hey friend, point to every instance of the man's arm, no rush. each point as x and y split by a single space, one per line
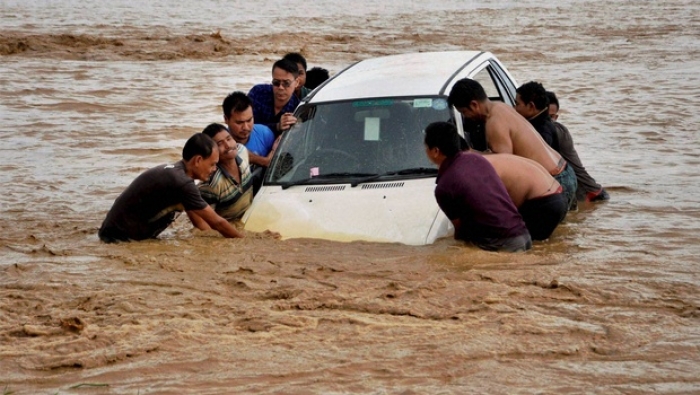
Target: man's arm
197 221
263 161
213 220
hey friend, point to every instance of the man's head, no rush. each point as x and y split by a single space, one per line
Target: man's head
200 156
238 115
468 97
228 148
315 77
285 75
299 59
441 141
553 105
530 99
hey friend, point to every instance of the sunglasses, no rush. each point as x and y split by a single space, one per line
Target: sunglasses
283 83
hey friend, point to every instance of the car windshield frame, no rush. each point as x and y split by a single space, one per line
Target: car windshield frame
357 141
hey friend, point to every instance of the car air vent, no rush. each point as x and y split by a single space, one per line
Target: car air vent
383 185
325 189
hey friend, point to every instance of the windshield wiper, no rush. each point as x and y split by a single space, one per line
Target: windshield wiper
329 176
427 171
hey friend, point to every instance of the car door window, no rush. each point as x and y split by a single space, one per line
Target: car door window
484 78
495 82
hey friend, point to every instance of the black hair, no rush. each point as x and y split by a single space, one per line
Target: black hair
533 92
444 136
297 58
198 144
288 66
236 102
315 77
553 99
213 129
464 91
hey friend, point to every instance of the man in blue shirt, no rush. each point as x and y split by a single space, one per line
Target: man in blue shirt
258 139
274 104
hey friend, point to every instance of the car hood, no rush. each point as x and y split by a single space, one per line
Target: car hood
398 211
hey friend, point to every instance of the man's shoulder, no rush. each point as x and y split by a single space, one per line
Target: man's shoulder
560 127
503 117
174 172
262 130
260 88
213 186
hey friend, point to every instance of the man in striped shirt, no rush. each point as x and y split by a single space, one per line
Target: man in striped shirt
229 189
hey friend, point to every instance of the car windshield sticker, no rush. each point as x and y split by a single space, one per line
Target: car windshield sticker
373 103
371 129
439 104
418 103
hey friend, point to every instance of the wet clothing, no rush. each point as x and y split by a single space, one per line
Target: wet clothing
150 204
543 214
510 244
586 184
567 179
544 125
469 189
263 100
226 196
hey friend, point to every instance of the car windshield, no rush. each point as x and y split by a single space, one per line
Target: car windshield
357 141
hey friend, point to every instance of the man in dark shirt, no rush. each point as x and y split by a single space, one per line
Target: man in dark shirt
157 196
531 102
588 189
472 195
274 104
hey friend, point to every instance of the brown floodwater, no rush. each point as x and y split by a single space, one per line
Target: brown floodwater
92 93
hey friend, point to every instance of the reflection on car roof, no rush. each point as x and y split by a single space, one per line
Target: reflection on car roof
418 74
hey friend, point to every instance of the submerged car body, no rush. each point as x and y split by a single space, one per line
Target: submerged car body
354 166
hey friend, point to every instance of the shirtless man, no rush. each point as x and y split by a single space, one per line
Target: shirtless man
508 132
537 195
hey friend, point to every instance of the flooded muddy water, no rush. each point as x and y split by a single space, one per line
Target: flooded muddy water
92 93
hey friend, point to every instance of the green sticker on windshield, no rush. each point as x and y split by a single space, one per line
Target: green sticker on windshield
373 103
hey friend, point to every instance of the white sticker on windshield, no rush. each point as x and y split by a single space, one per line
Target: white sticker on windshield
418 103
371 129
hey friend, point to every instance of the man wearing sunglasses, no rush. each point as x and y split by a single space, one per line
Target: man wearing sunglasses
274 104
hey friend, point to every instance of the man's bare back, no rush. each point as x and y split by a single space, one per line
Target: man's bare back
523 178
509 133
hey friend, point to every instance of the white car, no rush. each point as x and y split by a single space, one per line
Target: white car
354 166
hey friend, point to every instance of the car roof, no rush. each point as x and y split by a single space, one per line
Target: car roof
410 74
